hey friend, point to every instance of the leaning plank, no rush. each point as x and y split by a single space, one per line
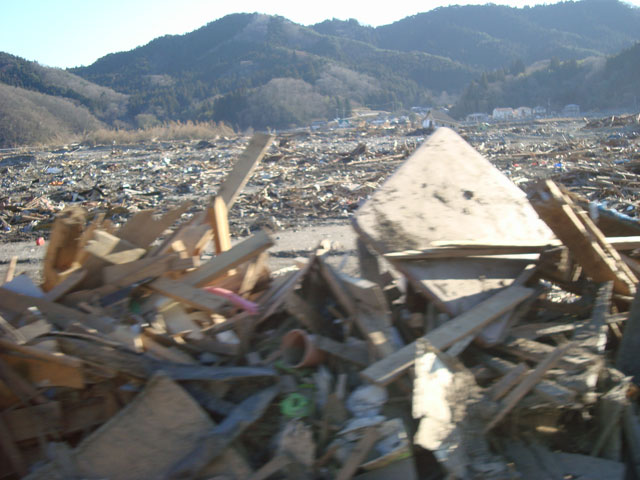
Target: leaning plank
47 371
512 399
217 215
63 246
188 295
219 438
372 316
358 454
8 276
142 229
68 284
243 168
61 316
221 264
389 368
154 431
546 389
584 240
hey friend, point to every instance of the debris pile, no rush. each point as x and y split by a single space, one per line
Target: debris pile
490 335
305 177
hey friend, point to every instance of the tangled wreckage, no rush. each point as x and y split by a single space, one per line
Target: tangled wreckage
490 334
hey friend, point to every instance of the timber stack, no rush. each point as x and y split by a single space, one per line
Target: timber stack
490 334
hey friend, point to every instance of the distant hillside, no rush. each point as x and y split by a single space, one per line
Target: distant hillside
30 117
254 70
493 36
104 102
221 70
594 83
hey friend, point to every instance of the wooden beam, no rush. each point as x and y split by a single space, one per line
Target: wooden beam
219 265
583 238
188 295
11 269
389 368
243 168
217 215
524 387
142 229
358 454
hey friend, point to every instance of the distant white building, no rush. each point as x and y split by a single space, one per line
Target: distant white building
571 110
502 113
539 111
523 112
438 118
477 117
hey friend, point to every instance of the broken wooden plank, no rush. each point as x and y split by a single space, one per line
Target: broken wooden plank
66 285
502 386
372 314
214 442
188 295
221 264
343 351
358 454
389 368
584 240
43 368
142 229
145 438
11 269
217 215
63 246
512 399
243 168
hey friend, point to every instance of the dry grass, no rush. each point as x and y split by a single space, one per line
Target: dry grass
169 131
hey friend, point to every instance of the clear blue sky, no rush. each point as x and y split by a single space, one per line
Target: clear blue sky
68 33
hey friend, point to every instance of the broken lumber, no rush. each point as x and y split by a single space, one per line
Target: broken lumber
389 368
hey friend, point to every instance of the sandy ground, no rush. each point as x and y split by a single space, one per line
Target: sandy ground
289 244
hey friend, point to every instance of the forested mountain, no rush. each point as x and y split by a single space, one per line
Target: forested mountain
231 69
255 70
493 36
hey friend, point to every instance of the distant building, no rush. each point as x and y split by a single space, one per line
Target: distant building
523 112
539 111
571 110
477 118
438 118
502 113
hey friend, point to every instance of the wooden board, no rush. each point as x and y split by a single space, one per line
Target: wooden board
147 437
389 368
142 229
219 265
446 191
585 241
188 295
243 168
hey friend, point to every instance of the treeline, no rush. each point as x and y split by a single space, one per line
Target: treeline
594 83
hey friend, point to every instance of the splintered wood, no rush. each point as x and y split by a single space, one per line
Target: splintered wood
162 348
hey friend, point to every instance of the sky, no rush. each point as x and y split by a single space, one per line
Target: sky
70 33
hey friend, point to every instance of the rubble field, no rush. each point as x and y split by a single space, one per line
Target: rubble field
483 323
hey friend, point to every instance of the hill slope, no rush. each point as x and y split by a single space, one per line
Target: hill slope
493 36
231 62
594 83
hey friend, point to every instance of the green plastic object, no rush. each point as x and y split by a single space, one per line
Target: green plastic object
296 405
